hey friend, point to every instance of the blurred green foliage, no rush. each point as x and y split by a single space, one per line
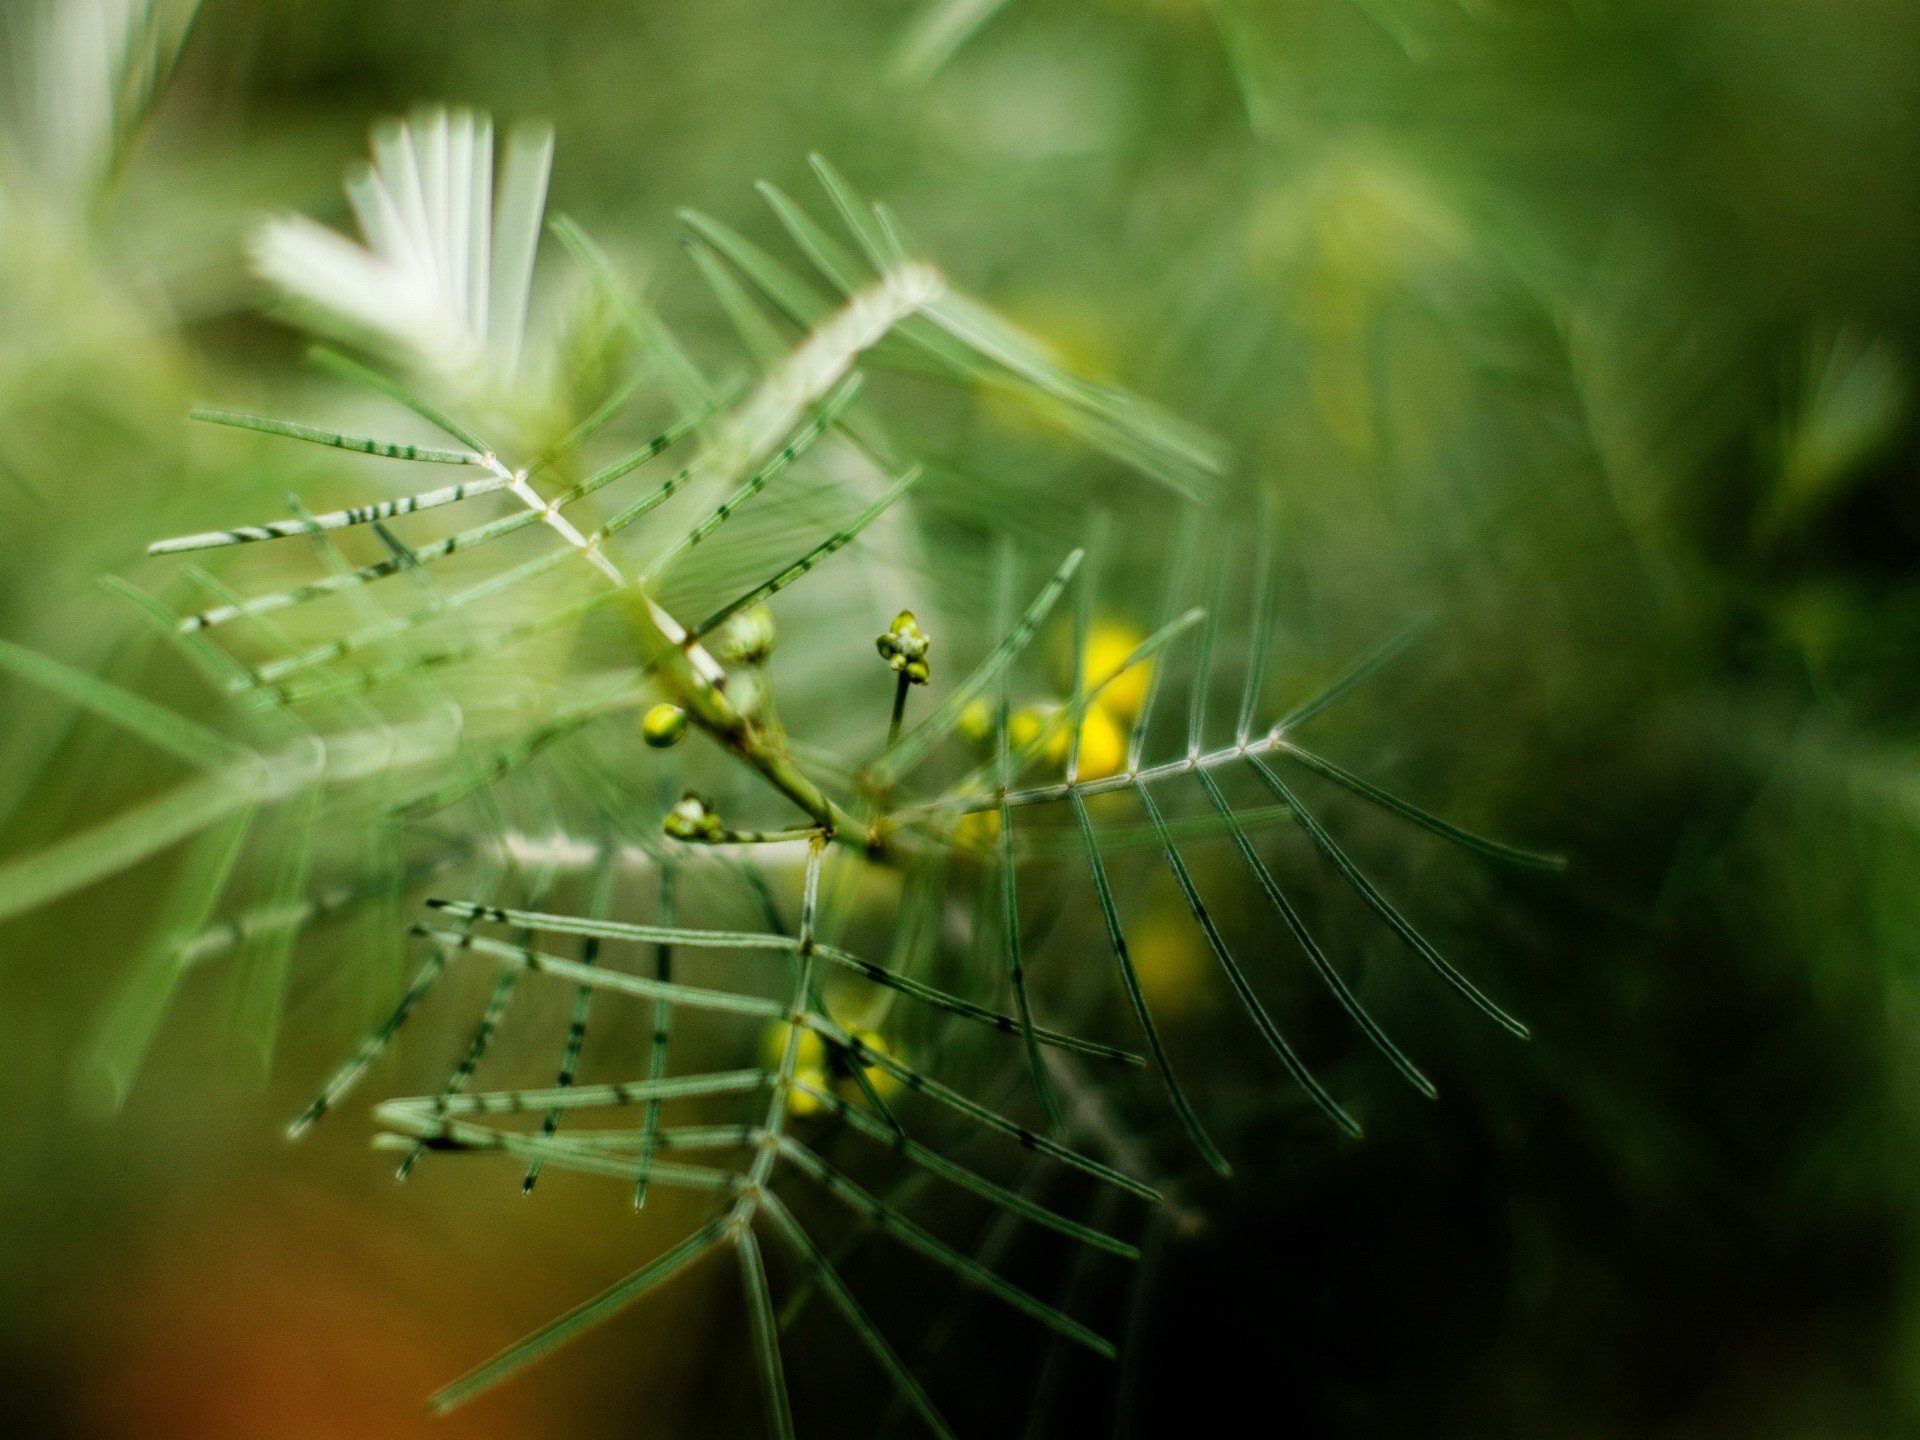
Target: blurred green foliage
1588 328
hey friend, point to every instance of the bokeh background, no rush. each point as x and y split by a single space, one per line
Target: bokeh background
1587 329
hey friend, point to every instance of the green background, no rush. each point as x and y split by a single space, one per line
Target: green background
1587 329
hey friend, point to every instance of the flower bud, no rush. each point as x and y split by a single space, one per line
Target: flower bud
904 647
693 819
663 725
748 638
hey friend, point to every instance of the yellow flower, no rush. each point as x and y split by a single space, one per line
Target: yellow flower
1026 725
810 1052
1103 733
884 1082
1103 744
1107 650
799 1102
977 830
1103 738
1170 958
814 1066
976 725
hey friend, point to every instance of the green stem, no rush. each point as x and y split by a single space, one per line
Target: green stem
899 709
696 682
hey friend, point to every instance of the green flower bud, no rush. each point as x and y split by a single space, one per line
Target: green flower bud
748 638
904 647
693 819
663 725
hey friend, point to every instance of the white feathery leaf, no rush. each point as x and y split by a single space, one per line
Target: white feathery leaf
827 354
363 293
443 272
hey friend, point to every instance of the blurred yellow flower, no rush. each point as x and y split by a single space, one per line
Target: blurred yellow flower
1026 726
1170 958
977 830
812 1067
1078 336
1103 732
1103 744
976 725
809 1053
799 1102
884 1083
809 1064
1107 649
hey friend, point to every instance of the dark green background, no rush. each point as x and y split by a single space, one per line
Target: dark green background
1586 326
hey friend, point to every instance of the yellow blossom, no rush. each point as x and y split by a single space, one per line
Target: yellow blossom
976 725
810 1051
1103 744
1026 727
1107 649
1170 958
815 1066
884 1082
799 1102
977 830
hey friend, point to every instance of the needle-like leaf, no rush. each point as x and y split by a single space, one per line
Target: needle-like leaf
1236 977
850 1309
603 1306
765 1331
1383 907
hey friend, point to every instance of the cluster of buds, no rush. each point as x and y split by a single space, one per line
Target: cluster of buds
692 819
904 647
663 725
